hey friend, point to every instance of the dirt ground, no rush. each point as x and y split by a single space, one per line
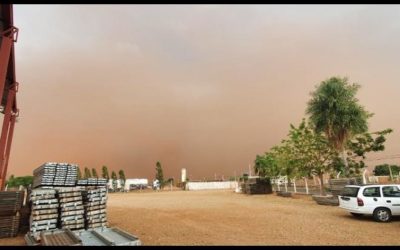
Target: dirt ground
228 218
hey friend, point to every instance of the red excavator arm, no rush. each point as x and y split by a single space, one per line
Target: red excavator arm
8 86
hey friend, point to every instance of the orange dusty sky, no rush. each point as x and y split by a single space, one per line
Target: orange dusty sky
204 87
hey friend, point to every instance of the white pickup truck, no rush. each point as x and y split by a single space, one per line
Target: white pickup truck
380 201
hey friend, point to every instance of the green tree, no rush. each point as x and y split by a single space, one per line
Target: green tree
383 170
94 173
287 164
114 178
87 173
362 144
105 174
121 174
311 150
159 174
335 110
304 153
79 173
266 165
19 181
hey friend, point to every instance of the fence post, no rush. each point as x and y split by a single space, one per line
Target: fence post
305 180
286 179
294 185
364 177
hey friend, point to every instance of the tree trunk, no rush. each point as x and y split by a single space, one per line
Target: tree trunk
346 164
321 187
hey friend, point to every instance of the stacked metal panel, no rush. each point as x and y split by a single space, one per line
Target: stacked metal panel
60 237
10 205
101 182
107 237
44 175
55 174
71 208
44 211
92 182
82 182
95 207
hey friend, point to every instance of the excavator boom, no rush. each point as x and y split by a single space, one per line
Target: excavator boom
8 86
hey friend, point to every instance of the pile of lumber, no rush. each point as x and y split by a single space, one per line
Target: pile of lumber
95 207
55 174
10 205
24 218
326 200
256 186
44 211
71 208
283 194
337 185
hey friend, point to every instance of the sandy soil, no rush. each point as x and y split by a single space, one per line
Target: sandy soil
228 218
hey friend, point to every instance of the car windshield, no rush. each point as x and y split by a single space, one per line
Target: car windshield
350 191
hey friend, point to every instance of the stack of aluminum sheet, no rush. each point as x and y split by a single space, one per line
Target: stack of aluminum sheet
71 208
60 237
44 212
108 237
101 182
44 175
92 182
72 174
95 207
82 182
55 174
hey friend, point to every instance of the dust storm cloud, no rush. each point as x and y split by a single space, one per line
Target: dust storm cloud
196 86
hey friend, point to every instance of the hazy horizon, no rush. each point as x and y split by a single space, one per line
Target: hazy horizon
201 87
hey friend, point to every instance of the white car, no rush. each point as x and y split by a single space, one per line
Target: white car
380 201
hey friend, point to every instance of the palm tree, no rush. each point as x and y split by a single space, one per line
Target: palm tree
334 110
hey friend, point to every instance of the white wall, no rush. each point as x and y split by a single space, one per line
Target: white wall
211 185
128 182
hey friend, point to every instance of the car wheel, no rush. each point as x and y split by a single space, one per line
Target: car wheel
356 215
382 214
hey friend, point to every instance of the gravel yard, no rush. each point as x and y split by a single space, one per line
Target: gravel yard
228 218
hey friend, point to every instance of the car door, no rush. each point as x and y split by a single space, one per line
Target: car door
348 197
391 198
372 198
